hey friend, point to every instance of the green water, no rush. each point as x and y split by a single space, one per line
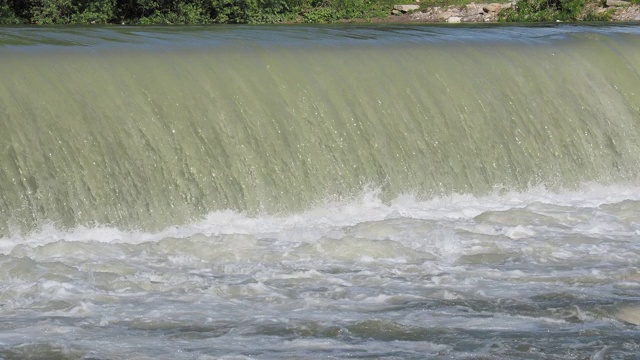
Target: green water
149 135
320 192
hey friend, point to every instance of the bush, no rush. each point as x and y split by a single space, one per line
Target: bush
253 11
94 12
173 12
320 15
47 12
7 15
234 11
550 10
327 11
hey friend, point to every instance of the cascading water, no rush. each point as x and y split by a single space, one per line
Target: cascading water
381 191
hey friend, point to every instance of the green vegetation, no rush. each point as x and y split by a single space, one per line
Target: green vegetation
145 12
45 12
7 15
321 11
553 10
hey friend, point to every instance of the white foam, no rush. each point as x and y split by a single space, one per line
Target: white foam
319 221
518 232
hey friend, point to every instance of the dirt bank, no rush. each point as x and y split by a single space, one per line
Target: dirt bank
488 12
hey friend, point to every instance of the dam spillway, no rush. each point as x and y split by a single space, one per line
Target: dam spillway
385 191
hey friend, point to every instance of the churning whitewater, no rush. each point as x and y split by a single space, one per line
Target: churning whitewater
320 192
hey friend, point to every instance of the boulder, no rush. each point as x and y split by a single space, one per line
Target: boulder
611 3
406 8
474 8
454 19
446 15
492 8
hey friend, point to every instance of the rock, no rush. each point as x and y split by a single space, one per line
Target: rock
611 3
454 19
396 12
627 13
446 15
406 8
492 8
475 8
476 13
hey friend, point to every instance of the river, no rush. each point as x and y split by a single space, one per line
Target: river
347 191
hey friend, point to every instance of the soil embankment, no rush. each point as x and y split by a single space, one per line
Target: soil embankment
488 12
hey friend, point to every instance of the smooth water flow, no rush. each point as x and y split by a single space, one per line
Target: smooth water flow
144 137
320 192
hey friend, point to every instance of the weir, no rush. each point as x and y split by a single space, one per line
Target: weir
144 131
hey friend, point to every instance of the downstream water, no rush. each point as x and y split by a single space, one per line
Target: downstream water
320 192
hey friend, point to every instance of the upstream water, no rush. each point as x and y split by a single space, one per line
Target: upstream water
320 192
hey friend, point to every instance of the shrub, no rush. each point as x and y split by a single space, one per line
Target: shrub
7 14
47 12
234 11
324 11
320 15
253 11
550 10
94 12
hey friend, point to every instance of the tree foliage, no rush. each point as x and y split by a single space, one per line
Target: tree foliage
7 14
145 12
46 12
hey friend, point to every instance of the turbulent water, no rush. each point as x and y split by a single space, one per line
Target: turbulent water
320 192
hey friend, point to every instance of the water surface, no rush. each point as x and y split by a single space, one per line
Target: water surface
389 191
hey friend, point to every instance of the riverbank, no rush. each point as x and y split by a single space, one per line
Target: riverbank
175 12
613 10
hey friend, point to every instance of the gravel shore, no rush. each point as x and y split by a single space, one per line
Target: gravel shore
488 12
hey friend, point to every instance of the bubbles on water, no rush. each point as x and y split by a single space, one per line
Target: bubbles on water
446 245
406 273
